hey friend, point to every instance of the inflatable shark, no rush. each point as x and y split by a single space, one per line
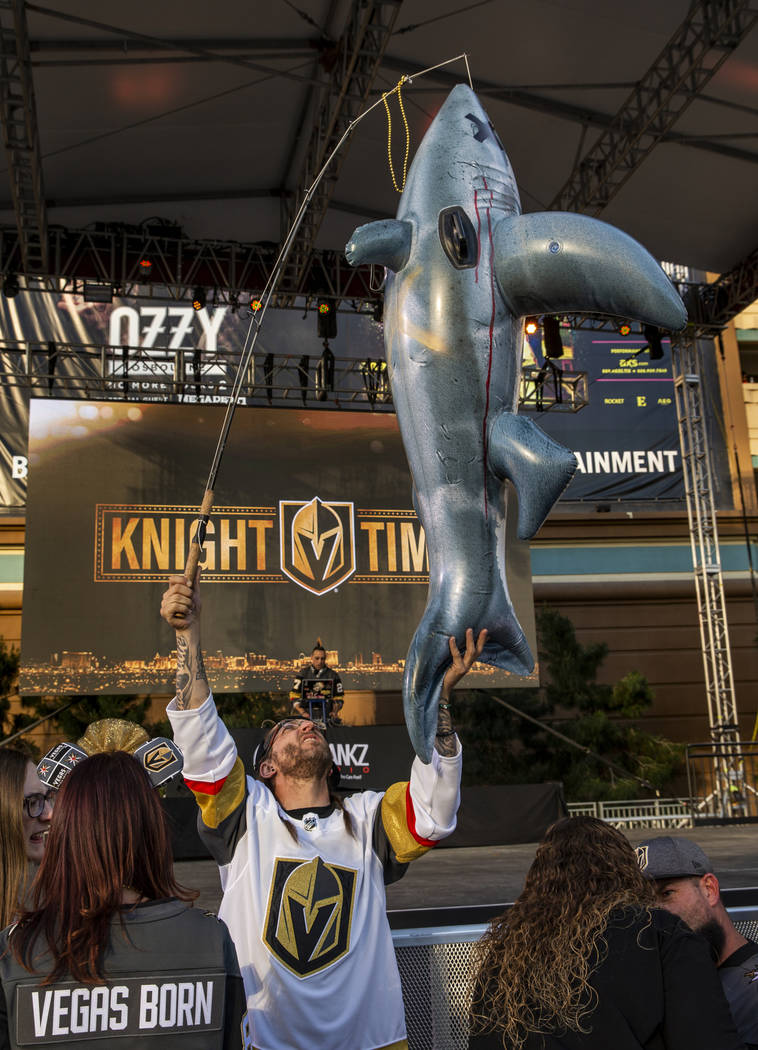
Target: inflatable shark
463 267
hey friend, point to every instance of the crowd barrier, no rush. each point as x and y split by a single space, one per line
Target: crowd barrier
434 949
658 813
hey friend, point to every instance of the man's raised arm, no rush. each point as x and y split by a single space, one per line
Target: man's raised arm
180 607
446 742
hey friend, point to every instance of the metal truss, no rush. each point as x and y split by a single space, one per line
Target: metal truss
706 560
21 138
94 372
712 306
111 255
550 387
583 114
359 56
712 30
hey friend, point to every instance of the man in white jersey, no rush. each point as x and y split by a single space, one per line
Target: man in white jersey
303 872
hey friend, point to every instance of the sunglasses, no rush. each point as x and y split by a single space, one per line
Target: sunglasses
34 805
279 728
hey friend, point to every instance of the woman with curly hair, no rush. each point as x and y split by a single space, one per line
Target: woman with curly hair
584 961
25 811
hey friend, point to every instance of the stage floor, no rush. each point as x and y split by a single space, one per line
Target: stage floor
495 874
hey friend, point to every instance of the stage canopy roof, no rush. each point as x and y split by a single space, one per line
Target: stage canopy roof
644 114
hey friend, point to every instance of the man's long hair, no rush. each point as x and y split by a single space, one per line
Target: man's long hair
13 862
535 963
108 834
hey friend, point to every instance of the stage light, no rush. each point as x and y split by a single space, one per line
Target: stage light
198 299
654 345
256 305
145 268
625 328
531 325
97 293
303 366
268 376
327 319
324 374
11 287
551 336
52 361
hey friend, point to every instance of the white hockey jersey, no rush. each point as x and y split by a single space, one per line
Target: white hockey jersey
306 910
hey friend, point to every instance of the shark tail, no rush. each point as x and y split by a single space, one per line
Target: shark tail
428 658
539 468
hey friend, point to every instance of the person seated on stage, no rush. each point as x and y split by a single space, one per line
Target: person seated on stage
110 947
304 872
584 961
317 691
686 886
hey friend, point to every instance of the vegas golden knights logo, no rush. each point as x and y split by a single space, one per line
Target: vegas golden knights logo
309 914
157 758
317 542
642 860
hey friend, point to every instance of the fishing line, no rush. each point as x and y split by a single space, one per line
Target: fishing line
256 321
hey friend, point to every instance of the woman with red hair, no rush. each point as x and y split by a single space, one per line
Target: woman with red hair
110 946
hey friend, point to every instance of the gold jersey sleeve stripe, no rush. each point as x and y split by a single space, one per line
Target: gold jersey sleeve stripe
214 808
395 823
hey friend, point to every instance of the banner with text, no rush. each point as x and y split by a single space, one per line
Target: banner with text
312 535
626 438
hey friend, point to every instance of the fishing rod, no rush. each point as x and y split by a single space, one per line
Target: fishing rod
256 321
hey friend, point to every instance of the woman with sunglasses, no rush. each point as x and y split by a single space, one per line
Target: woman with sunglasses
110 946
25 811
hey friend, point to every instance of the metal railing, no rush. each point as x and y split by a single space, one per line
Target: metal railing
435 965
639 813
722 778
130 373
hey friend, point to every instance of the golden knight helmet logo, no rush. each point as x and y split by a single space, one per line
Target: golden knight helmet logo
317 542
157 758
309 914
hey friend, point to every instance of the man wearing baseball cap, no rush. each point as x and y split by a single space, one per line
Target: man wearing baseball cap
687 887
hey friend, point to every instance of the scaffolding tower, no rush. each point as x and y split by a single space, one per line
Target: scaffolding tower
728 792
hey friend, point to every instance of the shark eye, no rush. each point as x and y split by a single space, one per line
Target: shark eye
458 238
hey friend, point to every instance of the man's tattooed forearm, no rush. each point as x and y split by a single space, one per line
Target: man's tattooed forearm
189 670
445 743
183 673
200 673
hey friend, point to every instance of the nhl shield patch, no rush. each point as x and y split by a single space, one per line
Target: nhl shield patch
317 543
309 914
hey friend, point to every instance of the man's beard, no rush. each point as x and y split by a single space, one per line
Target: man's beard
715 936
312 765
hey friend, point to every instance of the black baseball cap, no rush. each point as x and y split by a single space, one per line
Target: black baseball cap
666 857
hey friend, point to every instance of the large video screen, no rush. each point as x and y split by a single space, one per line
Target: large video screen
113 494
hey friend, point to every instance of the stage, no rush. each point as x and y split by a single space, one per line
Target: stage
488 875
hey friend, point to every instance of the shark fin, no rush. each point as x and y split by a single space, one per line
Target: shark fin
539 467
386 242
553 262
